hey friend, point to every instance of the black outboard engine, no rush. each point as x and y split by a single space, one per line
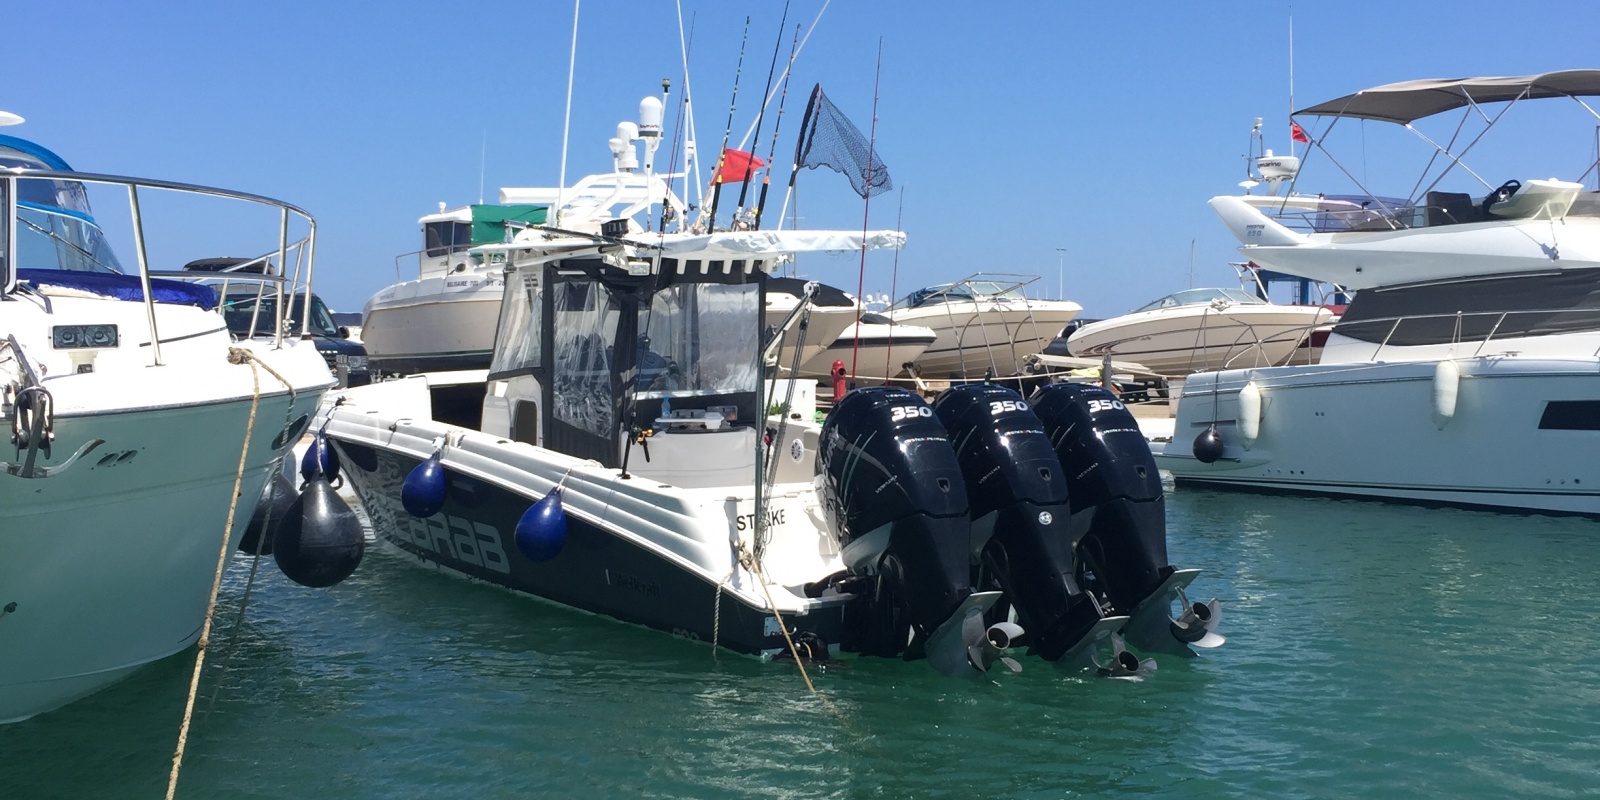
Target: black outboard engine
1021 518
1119 515
898 508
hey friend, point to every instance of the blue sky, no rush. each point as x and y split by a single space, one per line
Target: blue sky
1010 130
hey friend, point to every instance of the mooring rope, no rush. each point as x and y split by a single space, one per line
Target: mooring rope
235 356
716 613
754 566
261 544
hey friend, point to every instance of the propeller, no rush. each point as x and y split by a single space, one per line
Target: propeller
1153 628
1124 664
991 643
1197 625
965 647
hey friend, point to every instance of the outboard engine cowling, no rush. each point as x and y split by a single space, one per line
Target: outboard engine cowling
898 508
1119 512
1021 516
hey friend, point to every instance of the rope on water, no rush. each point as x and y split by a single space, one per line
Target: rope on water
261 544
235 356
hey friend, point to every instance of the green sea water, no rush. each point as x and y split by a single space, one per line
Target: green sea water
1373 651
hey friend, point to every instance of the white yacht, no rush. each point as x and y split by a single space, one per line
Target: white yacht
985 324
127 405
1464 371
1204 329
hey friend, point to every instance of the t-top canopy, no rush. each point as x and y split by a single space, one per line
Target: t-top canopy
1407 101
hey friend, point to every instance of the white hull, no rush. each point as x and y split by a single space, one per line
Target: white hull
434 323
1179 341
988 336
109 561
827 324
110 566
880 354
1371 430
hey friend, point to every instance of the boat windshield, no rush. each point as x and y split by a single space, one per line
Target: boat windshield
54 227
963 292
700 338
1195 297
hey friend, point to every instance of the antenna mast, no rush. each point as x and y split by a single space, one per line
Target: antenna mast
1291 78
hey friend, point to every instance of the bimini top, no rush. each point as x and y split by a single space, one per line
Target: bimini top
1407 101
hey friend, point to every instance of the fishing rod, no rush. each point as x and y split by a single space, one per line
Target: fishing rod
766 177
894 278
767 101
866 207
716 178
750 163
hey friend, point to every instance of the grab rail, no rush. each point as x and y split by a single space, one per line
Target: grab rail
1458 337
283 282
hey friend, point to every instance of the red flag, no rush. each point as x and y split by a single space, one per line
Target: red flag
737 165
1298 133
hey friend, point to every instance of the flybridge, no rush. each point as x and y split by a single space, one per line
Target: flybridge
1406 102
1365 240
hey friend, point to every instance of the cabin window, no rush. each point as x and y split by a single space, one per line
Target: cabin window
700 338
585 326
518 341
1571 415
444 238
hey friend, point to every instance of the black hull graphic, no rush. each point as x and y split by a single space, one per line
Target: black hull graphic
603 571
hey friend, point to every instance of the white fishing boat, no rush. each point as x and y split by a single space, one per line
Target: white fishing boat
1464 371
1204 329
443 319
633 462
985 324
128 404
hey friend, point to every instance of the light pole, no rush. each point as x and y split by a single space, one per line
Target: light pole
1061 281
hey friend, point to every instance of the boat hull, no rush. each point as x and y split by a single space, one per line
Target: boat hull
827 324
880 353
1520 435
987 337
622 566
108 564
1177 342
436 323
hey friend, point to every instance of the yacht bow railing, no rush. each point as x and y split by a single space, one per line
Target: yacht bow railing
275 275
